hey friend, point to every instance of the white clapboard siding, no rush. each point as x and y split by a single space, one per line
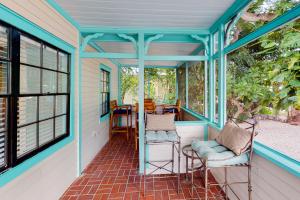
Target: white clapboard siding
42 14
43 181
269 181
94 132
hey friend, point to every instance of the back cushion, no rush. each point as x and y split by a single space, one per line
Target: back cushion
160 122
234 138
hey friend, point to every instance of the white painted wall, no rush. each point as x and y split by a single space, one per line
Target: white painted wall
94 133
48 179
270 182
164 152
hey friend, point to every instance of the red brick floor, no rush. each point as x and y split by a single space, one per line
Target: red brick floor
113 174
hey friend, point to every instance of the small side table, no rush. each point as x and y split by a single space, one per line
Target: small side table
190 156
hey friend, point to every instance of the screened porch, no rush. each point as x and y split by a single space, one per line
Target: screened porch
82 80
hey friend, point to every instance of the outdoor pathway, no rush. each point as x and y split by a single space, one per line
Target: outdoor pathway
113 175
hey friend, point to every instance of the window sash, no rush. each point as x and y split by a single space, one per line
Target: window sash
23 120
105 92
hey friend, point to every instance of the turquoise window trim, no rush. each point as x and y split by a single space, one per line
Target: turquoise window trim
119 85
279 159
194 114
20 22
106 68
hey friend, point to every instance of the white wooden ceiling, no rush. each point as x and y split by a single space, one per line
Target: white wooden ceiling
146 13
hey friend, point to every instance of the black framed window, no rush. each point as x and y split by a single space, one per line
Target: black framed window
105 91
34 95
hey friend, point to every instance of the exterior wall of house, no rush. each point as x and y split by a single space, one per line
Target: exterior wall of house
94 133
49 178
269 181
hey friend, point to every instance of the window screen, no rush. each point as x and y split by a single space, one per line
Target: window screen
181 78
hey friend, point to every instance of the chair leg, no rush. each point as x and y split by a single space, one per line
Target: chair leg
145 163
225 183
178 172
206 180
249 183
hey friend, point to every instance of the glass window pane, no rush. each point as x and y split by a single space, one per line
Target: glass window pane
258 14
30 52
197 87
4 42
3 118
62 62
2 149
46 107
4 72
27 110
26 139
181 78
3 114
49 81
60 125
29 80
216 42
216 91
61 104
49 58
62 83
45 131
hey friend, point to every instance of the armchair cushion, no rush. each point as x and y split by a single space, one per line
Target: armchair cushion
234 138
217 155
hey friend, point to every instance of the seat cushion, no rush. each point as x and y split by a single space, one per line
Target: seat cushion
234 138
161 136
171 110
122 111
217 155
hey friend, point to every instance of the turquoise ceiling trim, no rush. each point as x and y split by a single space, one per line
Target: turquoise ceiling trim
62 12
151 39
149 66
235 8
129 38
176 58
108 55
134 30
88 38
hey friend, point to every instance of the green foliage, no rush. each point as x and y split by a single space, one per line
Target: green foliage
266 73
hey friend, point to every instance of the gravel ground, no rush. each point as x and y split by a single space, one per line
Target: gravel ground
280 136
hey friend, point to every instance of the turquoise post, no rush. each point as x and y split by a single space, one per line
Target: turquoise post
141 62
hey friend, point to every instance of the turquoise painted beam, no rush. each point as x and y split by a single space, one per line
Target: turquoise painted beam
150 66
132 30
235 8
211 80
276 23
168 38
222 78
176 58
141 62
108 55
